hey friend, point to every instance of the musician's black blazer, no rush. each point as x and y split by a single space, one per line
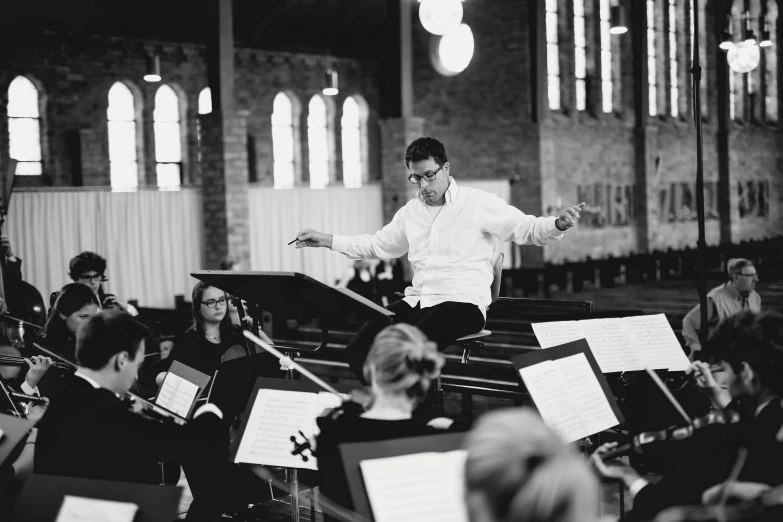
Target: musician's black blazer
91 433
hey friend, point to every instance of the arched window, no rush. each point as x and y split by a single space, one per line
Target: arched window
606 56
318 142
123 167
552 55
353 126
652 70
580 55
205 101
771 64
674 92
732 95
24 127
168 139
283 141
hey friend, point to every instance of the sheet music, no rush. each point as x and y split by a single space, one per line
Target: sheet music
557 333
422 487
657 342
177 394
612 345
275 417
80 509
586 393
568 397
550 395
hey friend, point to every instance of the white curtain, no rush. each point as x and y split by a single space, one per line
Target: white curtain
277 215
152 240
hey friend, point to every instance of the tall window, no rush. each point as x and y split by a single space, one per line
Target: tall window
552 55
652 71
205 101
771 61
283 141
123 168
24 127
580 67
674 93
318 143
606 56
732 95
351 124
168 139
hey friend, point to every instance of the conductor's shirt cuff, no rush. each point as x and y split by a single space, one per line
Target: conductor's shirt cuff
339 243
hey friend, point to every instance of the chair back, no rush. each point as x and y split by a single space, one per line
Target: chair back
497 271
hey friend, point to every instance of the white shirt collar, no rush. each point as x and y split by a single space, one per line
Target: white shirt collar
451 192
90 380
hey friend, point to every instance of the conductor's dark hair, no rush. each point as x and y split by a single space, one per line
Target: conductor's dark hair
106 334
424 148
86 262
755 339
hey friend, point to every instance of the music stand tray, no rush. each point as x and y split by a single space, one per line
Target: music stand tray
42 496
296 296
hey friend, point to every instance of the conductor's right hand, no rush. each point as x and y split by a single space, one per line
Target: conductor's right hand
312 238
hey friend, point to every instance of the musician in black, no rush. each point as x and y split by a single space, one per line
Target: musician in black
749 348
401 365
91 431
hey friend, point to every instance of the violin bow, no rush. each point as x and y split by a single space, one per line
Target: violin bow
296 366
668 394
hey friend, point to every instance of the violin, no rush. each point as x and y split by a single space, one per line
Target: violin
12 362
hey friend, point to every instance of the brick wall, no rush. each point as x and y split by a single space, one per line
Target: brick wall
76 72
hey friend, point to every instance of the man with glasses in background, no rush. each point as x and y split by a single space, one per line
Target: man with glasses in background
735 296
448 233
88 268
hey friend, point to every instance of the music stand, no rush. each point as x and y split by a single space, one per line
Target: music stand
352 454
42 496
296 296
233 384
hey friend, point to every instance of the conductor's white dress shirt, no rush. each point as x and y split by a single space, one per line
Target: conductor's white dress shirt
452 254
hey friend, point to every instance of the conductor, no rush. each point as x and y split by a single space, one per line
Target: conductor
447 232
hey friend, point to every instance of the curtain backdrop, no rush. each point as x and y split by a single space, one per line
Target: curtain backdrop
276 216
152 240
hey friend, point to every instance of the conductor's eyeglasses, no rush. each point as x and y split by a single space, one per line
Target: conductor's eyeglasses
212 303
428 176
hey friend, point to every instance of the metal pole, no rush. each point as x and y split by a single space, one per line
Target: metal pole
701 245
294 494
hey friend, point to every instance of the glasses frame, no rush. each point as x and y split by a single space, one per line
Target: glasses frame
415 179
222 300
97 278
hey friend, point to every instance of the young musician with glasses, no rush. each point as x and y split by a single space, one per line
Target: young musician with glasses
735 296
203 345
448 233
88 268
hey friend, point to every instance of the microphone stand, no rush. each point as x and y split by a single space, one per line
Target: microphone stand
701 285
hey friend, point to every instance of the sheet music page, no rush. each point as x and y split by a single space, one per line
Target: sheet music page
586 393
612 345
422 487
657 343
80 509
275 417
177 394
550 395
557 333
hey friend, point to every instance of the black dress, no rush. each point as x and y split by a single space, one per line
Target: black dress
347 425
200 354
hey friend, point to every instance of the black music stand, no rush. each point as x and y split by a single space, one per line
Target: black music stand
296 296
352 454
43 495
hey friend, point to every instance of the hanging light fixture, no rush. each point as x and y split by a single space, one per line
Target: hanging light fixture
744 57
152 69
617 24
330 82
440 16
766 41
